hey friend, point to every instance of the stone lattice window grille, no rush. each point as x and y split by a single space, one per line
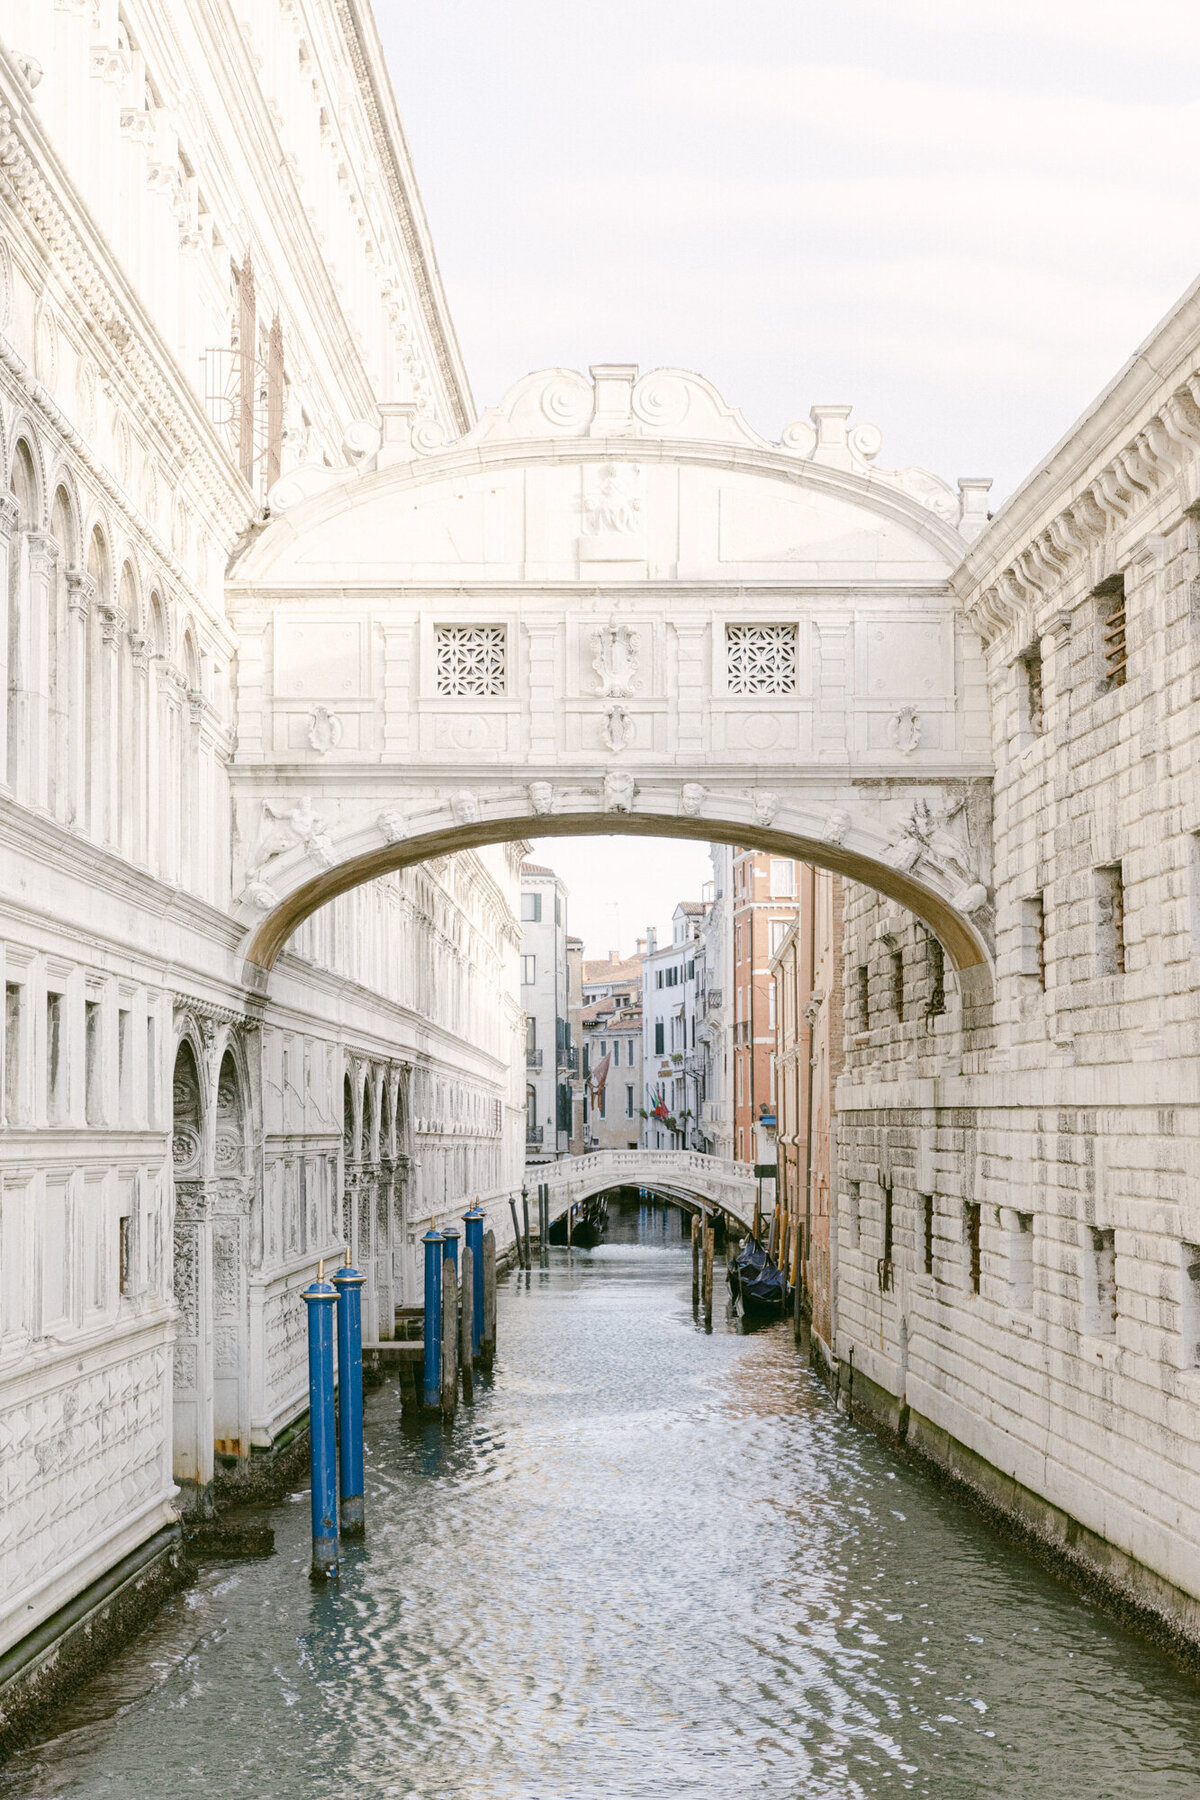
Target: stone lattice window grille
471 659
760 659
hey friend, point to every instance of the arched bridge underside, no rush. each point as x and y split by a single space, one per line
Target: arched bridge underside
686 1176
611 607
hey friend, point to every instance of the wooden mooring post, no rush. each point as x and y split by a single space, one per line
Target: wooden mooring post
695 1261
525 1218
466 1335
487 1337
449 1338
710 1244
512 1207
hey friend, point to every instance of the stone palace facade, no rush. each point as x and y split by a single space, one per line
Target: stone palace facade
212 263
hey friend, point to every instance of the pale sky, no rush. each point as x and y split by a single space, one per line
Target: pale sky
959 218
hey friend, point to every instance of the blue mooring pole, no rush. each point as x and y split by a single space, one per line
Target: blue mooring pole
473 1221
321 1299
432 1379
349 1285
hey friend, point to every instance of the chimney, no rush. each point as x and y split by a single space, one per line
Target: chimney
641 946
651 939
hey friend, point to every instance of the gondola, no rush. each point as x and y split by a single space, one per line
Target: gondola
758 1284
588 1226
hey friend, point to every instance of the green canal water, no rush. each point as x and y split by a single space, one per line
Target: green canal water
648 1563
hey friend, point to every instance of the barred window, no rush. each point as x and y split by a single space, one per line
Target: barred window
761 659
470 659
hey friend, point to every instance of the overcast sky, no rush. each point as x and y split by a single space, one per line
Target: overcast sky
959 218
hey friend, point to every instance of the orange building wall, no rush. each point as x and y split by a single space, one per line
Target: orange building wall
755 911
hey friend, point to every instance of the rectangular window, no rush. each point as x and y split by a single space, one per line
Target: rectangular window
530 1036
470 659
125 1252
1031 671
740 1096
888 1223
864 997
604 1046
531 908
628 1100
927 1231
151 1070
658 978
898 984
600 1103
854 1196
771 1007
528 970
1020 1260
1033 938
93 1063
659 1037
12 1051
55 1058
1100 1290
971 1223
783 878
124 1060
1110 920
1189 1312
760 659
558 909
1110 613
779 930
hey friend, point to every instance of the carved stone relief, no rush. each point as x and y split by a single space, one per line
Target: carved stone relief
615 651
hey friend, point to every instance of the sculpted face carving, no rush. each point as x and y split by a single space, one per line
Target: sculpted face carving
541 797
691 799
618 792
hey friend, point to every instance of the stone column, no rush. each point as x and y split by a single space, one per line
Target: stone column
9 518
231 1316
32 720
193 1395
81 596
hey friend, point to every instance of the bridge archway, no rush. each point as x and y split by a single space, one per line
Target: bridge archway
612 606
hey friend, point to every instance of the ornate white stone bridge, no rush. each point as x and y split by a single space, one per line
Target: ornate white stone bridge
612 607
683 1175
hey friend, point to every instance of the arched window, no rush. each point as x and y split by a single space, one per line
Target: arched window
25 493
368 1123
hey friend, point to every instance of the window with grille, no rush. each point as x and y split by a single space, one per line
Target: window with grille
972 1223
864 996
898 984
760 659
1110 920
1035 711
935 1005
1110 599
470 659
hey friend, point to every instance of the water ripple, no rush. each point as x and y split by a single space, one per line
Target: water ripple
649 1563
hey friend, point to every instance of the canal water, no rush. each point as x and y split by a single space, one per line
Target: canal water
650 1562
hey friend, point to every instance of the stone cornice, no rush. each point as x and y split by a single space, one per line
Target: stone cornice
1085 493
33 179
379 105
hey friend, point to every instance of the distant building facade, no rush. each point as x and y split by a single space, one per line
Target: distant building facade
672 1057
612 1052
762 905
806 970
545 996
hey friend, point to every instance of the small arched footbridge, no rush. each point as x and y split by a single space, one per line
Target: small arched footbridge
686 1176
